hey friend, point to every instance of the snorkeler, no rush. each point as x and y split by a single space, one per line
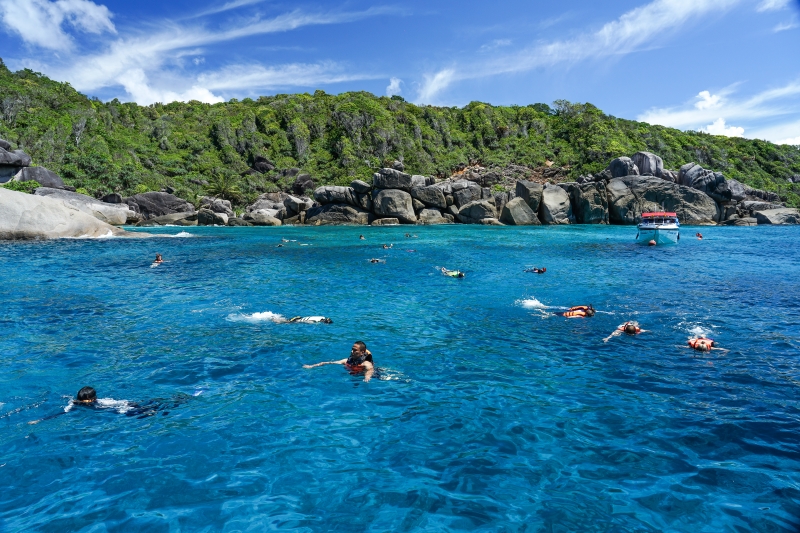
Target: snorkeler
360 360
699 236
453 273
158 260
579 311
361 237
629 328
373 260
87 397
704 344
535 270
310 320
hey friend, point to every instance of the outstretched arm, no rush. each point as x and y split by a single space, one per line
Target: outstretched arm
616 332
339 362
370 371
34 422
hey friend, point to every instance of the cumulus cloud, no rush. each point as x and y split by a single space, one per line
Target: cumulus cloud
631 32
718 127
794 141
41 22
707 100
394 87
773 5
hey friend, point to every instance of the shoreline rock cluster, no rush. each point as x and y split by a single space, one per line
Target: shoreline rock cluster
619 194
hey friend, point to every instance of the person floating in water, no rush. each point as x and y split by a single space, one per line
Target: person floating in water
629 328
704 344
408 235
373 260
579 311
387 246
453 273
535 270
158 260
360 360
699 236
310 320
87 397
361 237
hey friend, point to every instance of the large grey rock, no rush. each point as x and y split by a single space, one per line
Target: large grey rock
623 166
784 215
16 158
629 197
26 216
468 194
747 221
238 222
298 205
394 203
398 165
738 190
389 178
42 176
431 217
555 207
418 181
445 186
649 164
430 196
751 206
516 212
302 184
418 206
263 217
385 222
5 145
530 192
270 200
173 219
669 175
336 214
474 212
361 187
207 217
217 205
589 202
156 204
711 183
114 214
112 198
335 194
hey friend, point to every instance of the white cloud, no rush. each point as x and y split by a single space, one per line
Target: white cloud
631 32
783 26
199 60
795 141
394 87
772 5
228 6
779 104
143 63
718 127
40 22
497 43
707 100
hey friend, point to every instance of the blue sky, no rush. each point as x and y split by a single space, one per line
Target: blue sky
724 66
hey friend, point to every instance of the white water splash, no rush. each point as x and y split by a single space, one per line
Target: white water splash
181 235
532 303
700 331
255 318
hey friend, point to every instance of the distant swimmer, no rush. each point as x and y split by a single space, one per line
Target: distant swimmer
579 311
387 246
699 236
536 270
629 328
703 344
408 235
361 237
360 360
310 320
158 260
284 240
453 273
373 260
279 246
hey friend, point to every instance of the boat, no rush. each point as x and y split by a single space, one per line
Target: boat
659 228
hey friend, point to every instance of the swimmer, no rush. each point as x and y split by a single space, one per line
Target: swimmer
158 260
279 246
310 320
373 260
453 273
87 397
361 237
699 236
703 344
284 240
536 270
408 235
629 328
579 311
360 360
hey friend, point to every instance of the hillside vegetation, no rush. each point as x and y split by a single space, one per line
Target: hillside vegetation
199 148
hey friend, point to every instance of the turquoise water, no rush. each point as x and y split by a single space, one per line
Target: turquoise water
490 414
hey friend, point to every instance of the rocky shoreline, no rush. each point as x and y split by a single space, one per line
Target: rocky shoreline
619 194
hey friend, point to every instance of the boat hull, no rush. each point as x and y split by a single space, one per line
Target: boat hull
660 235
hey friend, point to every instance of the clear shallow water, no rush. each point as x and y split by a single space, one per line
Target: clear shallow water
491 415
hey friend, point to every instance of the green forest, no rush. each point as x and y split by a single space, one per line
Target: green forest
196 148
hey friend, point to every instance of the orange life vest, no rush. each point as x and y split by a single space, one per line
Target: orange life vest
575 312
622 328
701 344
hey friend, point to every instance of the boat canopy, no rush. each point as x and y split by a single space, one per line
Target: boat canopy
659 214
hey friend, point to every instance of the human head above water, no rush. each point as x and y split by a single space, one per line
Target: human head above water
630 328
87 395
359 347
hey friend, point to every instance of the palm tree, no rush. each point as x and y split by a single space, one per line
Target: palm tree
224 185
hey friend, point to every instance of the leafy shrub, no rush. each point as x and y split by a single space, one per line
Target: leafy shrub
22 186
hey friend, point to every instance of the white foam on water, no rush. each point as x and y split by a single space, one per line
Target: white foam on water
255 318
181 235
108 235
532 303
120 406
700 331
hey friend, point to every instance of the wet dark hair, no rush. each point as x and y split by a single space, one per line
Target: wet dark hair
360 344
630 329
327 321
87 394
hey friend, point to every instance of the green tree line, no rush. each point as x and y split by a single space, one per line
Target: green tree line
197 148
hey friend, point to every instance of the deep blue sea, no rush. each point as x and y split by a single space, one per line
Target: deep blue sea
489 412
